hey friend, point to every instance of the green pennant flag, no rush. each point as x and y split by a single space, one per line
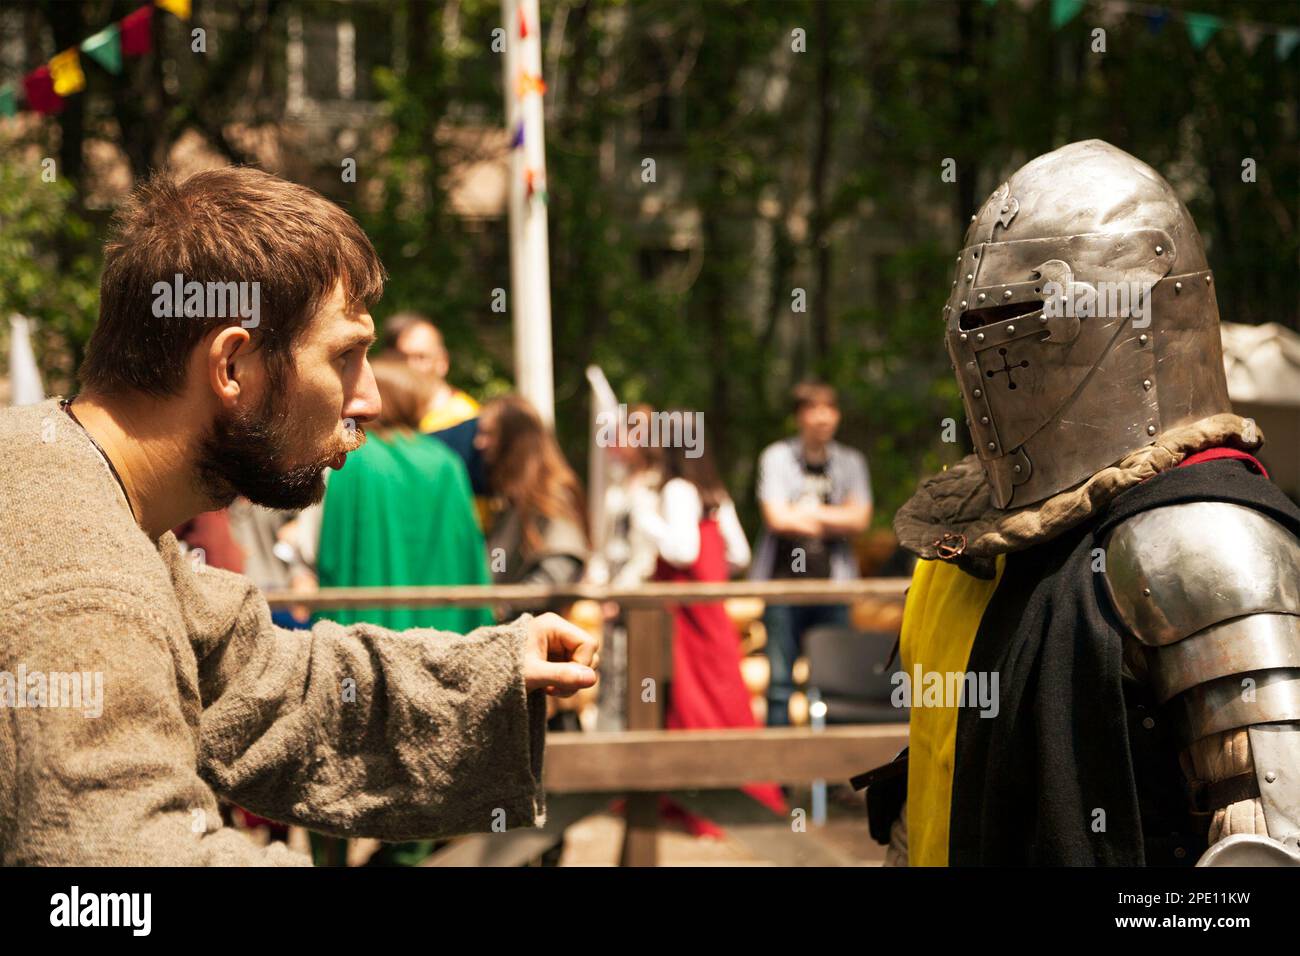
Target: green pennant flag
991 3
105 48
1202 26
8 101
1063 11
1287 40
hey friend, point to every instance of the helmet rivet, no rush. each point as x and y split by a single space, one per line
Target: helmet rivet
1011 330
959 259
1270 777
1146 592
1151 429
972 218
981 297
1207 280
993 446
1006 294
1178 287
1142 339
1043 318
1146 383
969 277
1016 469
978 392
954 283
984 419
1160 250
963 336
1005 208
963 303
979 336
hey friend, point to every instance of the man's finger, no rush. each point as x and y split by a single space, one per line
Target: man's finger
566 678
579 645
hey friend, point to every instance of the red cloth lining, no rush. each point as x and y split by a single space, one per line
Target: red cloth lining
1212 454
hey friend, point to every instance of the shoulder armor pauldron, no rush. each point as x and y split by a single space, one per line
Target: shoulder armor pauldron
1176 570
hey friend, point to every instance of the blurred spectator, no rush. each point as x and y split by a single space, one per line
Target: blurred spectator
627 558
271 559
815 495
399 514
449 413
699 538
539 535
207 536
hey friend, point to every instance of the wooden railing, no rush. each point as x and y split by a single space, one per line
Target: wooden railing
702 769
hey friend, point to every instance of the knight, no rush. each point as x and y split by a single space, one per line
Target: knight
1112 551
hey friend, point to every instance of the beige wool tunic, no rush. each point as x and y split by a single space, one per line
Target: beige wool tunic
355 731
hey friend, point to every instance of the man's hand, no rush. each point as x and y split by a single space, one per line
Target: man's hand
559 657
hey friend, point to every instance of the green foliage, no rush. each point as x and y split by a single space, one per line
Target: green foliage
46 272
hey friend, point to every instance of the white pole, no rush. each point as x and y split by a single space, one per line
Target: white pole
530 281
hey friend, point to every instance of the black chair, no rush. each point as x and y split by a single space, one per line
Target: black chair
847 672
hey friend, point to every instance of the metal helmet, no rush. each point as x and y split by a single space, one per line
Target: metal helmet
1082 321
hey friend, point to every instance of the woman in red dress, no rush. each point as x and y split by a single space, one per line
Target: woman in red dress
700 539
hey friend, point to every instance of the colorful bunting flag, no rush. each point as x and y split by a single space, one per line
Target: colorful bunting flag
137 32
1287 40
1200 27
8 101
105 48
66 73
517 138
1250 35
528 83
1063 11
38 88
523 25
177 8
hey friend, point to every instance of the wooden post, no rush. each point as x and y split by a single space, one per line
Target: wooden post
647 629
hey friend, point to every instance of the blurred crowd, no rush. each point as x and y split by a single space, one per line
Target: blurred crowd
446 491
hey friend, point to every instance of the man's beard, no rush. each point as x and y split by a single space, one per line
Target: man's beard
243 454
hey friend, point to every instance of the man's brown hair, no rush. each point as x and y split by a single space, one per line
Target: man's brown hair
235 224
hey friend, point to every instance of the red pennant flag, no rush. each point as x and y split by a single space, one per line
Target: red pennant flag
137 31
523 25
38 86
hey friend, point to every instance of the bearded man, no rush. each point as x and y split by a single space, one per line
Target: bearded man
353 731
1113 554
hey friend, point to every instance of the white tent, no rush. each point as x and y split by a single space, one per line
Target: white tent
24 375
1262 363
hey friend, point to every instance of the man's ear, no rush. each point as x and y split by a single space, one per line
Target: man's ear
228 364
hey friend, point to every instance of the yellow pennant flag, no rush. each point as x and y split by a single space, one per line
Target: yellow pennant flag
65 71
177 8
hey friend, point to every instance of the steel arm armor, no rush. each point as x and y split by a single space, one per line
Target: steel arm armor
1210 594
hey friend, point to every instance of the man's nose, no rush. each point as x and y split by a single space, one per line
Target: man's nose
364 404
